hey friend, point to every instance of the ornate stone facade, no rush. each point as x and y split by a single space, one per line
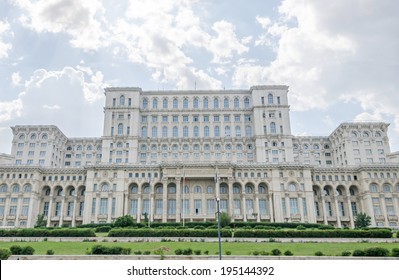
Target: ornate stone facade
168 155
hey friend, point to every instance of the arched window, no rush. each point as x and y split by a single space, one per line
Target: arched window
196 131
366 134
386 188
197 189
105 187
291 187
273 128
79 148
353 134
164 147
159 190
210 189
3 188
315 147
206 103
186 189
165 103
249 189
196 147
206 131
185 103
248 132
339 192
44 136
223 189
155 103
89 148
27 188
397 188
59 192
143 147
146 189
378 134
175 103
134 189
246 102
33 136
175 132
217 131
47 192
352 191
236 189
262 189
154 132
21 137
236 103
122 100
326 191
270 98
373 188
195 103
120 129
165 132
15 189
238 131
227 131
217 147
145 103
185 147
226 103
144 132
171 189
185 131
72 192
216 103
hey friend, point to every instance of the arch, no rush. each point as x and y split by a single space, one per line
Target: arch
133 188
145 103
120 129
210 189
171 188
353 134
71 191
249 188
205 103
197 189
155 103
175 103
15 188
195 103
33 136
316 191
377 134
327 191
146 188
185 103
226 103
27 188
159 188
122 100
186 189
223 188
341 190
104 187
165 103
374 188
3 188
58 191
353 190
236 188
81 190
246 102
386 188
215 103
292 187
236 103
44 136
21 136
270 98
262 188
46 191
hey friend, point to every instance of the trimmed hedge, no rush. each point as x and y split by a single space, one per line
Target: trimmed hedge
250 233
38 232
103 250
149 232
279 225
4 254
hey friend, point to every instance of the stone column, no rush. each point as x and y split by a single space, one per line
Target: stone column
139 211
300 208
50 210
98 200
32 213
109 210
352 221
244 207
62 210
179 196
287 207
324 210
75 201
6 208
256 206
368 208
165 201
337 211
231 198
126 203
395 204
384 209
271 209
18 211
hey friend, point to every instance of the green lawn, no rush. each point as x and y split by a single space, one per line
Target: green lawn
236 248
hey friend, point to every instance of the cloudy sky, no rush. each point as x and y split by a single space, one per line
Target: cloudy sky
340 58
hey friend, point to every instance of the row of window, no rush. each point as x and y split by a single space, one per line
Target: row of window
195 103
365 134
195 118
15 188
33 136
31 145
196 147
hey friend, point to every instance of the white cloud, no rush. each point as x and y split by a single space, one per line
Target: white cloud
5 30
10 109
54 107
82 20
15 78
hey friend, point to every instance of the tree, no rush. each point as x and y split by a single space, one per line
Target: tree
41 221
362 220
124 221
225 219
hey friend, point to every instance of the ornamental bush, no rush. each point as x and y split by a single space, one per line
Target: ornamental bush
276 252
45 232
4 254
376 252
103 250
358 253
395 252
18 250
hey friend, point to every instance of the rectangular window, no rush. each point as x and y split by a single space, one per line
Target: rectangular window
103 206
133 207
13 211
216 118
198 206
294 206
70 209
316 206
45 208
341 209
237 206
223 206
93 206
25 210
57 209
113 206
262 207
158 206
206 118
172 206
210 206
304 207
249 206
81 208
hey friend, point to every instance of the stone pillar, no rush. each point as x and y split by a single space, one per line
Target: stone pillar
231 198
139 211
75 201
351 219
50 211
256 207
368 208
165 201
384 210
271 209
32 213
324 210
6 209
287 207
395 204
337 211
300 207
62 210
98 200
244 207
126 203
109 210
179 196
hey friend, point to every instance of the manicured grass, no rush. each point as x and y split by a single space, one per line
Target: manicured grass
236 248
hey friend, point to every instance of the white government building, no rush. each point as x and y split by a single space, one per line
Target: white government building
169 155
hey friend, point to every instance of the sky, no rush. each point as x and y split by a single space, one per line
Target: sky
339 58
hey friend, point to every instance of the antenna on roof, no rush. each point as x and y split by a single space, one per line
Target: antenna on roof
195 85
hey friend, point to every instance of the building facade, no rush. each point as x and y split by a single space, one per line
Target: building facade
169 155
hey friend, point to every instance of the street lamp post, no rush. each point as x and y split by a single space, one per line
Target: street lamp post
219 241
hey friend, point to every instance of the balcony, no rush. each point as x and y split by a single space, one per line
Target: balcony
379 218
392 218
331 218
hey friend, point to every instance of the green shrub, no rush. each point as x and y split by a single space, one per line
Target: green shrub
28 250
255 253
4 254
137 252
376 252
395 252
358 253
228 253
199 227
147 252
197 252
15 250
178 252
346 253
319 253
264 253
206 252
103 250
300 227
103 229
276 252
288 253
47 232
188 251
124 221
49 252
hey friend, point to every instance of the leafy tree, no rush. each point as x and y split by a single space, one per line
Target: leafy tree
362 220
41 221
225 219
124 221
